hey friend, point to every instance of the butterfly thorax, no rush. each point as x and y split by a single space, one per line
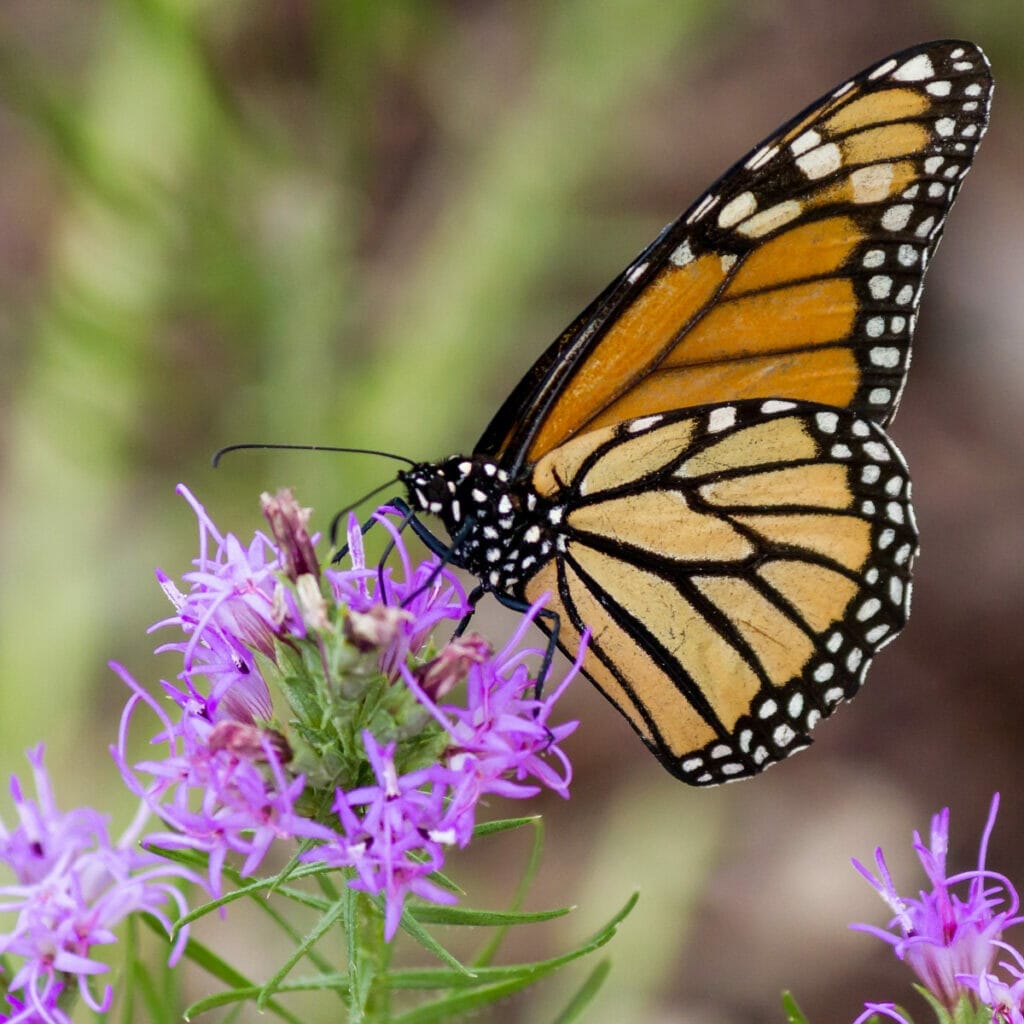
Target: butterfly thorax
500 527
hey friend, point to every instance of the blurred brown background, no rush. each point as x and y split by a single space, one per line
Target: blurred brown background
358 223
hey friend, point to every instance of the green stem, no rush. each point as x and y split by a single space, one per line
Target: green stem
369 956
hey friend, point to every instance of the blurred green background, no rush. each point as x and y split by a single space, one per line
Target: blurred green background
358 223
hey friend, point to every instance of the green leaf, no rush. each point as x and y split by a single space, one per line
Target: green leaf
434 977
204 957
794 1015
490 949
489 828
433 913
584 994
326 922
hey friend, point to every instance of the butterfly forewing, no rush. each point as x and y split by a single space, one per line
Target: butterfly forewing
797 275
737 566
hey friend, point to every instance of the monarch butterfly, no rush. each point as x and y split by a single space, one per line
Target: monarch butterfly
696 470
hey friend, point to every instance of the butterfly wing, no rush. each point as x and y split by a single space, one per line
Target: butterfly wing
738 566
797 275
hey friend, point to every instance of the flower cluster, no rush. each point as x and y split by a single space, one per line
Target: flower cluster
951 935
72 887
364 762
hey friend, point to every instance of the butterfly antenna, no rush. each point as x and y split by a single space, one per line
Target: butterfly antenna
339 516
220 453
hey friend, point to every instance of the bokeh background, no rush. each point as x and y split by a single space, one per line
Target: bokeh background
358 223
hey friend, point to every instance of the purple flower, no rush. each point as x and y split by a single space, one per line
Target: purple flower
217 792
227 783
954 929
872 1010
1005 999
425 595
72 887
397 840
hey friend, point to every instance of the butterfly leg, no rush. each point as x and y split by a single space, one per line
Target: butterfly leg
553 621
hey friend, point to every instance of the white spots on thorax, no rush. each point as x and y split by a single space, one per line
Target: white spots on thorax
917 69
737 209
871 184
897 217
820 161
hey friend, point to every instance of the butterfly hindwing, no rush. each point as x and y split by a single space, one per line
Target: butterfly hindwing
797 274
738 566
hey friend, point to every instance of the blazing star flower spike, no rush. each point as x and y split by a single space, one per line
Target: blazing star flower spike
951 934
364 762
73 886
